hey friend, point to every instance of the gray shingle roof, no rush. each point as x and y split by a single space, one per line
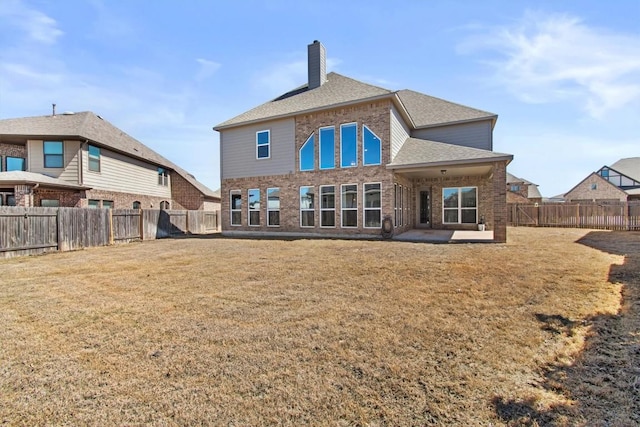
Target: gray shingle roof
19 177
424 110
629 167
421 152
87 125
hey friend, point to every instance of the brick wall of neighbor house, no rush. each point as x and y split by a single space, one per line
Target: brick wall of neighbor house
513 197
23 195
185 195
12 150
68 199
523 190
604 191
376 116
124 200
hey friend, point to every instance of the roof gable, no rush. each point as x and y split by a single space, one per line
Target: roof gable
629 167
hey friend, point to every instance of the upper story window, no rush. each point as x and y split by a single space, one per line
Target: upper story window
94 158
15 164
349 145
515 188
53 154
372 147
327 148
263 144
163 177
307 154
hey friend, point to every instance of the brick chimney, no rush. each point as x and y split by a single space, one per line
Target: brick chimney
317 64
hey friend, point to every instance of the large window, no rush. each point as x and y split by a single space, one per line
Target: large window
460 205
53 154
163 177
107 204
327 206
263 143
307 154
372 207
15 164
327 148
94 158
254 207
273 207
349 145
50 203
92 203
236 207
307 207
371 147
349 206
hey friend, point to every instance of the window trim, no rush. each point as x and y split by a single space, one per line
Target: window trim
365 208
364 158
273 210
232 210
343 209
306 209
93 157
46 156
253 209
323 209
460 208
313 153
267 144
163 177
355 148
333 157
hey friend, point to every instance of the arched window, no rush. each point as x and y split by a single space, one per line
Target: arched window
164 204
136 205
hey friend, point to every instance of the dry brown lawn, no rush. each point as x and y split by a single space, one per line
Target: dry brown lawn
543 330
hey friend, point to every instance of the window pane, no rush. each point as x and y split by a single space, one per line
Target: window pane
236 218
94 165
328 218
263 151
11 200
236 201
263 137
53 161
136 205
49 203
273 198
94 203
348 145
372 146
53 147
15 164
107 204
307 155
306 198
327 148
94 151
450 215
307 218
469 216
468 197
350 218
450 197
372 195
328 197
372 218
254 217
349 196
274 217
254 199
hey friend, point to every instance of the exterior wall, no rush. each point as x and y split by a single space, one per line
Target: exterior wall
120 173
185 195
70 199
125 200
376 117
410 203
474 134
238 150
399 132
70 171
211 206
513 197
605 191
11 150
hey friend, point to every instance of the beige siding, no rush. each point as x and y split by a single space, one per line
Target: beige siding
474 134
125 174
68 173
399 132
238 150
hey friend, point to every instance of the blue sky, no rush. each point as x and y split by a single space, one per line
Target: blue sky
563 76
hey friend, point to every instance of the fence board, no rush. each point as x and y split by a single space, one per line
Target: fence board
202 222
126 224
27 231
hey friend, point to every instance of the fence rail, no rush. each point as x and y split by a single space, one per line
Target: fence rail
30 231
608 216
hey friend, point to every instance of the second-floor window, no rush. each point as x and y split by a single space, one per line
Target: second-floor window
15 164
163 177
263 144
53 154
307 154
349 145
327 148
94 158
371 147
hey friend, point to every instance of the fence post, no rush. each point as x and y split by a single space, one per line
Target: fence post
141 227
59 230
111 240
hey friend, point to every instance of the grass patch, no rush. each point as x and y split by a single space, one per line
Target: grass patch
328 332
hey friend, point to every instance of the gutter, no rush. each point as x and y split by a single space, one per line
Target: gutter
460 162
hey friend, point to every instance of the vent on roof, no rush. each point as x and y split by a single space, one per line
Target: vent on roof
68 113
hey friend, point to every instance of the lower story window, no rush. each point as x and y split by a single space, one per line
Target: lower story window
273 207
136 205
349 211
50 203
107 204
307 207
236 207
254 207
372 207
460 205
93 203
164 205
327 206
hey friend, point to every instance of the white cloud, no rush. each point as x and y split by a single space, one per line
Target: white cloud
38 26
207 69
551 58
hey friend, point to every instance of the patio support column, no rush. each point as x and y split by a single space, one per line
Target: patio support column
499 180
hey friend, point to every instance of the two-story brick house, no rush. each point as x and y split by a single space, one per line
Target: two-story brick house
519 190
81 160
619 182
339 157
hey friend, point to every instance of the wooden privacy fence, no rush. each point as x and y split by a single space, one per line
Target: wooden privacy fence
29 231
608 216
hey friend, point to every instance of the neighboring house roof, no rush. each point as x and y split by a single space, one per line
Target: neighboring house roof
420 152
32 178
87 125
600 179
422 110
532 189
629 167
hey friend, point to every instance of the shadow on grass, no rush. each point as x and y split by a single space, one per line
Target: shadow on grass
604 379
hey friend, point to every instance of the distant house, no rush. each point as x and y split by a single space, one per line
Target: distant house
81 160
618 182
522 191
339 157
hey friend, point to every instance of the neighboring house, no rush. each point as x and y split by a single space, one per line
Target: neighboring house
522 191
81 160
338 157
619 182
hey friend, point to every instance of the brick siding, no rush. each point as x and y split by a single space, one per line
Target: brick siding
604 191
185 195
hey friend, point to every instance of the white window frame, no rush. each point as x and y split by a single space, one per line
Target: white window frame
365 208
343 209
333 129
355 125
269 209
250 209
323 209
232 210
401 207
460 208
395 204
306 209
268 144
364 163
